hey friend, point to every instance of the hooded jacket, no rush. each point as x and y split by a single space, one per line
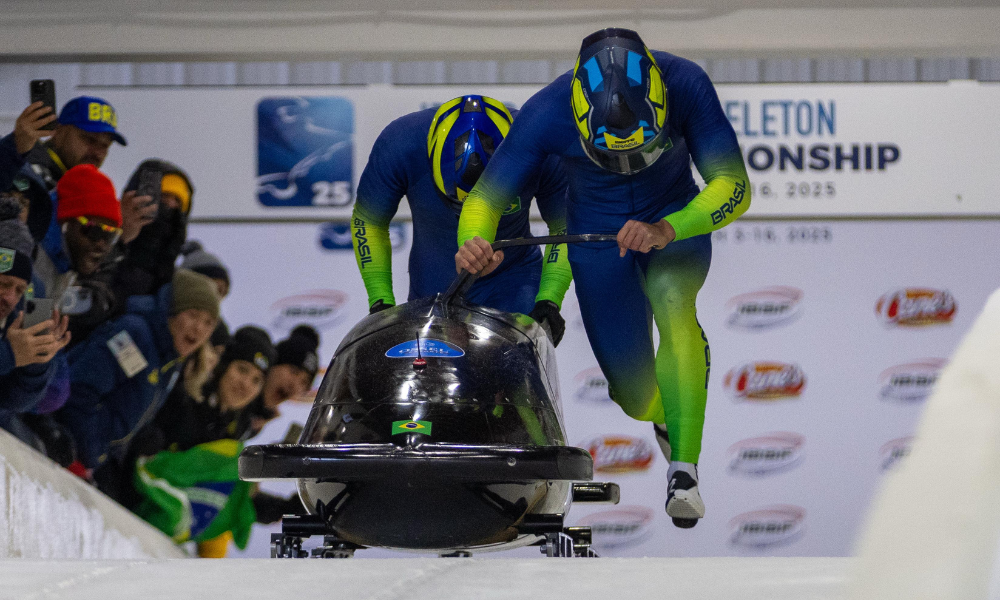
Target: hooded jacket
111 397
147 262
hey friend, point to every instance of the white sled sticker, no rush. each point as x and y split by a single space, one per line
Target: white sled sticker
128 355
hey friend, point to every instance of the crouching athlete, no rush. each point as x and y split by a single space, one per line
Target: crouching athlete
434 158
626 123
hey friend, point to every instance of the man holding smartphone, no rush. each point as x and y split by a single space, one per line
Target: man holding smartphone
84 132
26 353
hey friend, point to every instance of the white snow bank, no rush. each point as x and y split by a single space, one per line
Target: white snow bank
47 512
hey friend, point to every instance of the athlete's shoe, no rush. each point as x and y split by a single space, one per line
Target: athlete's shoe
684 503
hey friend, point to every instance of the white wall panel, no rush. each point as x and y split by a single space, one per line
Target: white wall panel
789 465
811 149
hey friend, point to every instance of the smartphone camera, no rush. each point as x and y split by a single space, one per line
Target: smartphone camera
44 90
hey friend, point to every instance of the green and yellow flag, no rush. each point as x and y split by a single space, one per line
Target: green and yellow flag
423 427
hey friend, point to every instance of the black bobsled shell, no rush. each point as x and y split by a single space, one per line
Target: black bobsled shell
451 446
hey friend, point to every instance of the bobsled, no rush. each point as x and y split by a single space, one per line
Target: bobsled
437 428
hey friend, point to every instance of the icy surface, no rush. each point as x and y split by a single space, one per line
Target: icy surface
47 512
432 579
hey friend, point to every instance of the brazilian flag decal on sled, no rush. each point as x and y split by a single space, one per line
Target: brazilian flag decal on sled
423 427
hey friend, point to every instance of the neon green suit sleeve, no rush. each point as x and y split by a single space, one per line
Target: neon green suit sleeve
722 201
551 200
373 252
480 216
556 272
716 153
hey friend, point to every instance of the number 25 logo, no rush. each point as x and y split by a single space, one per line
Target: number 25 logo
331 193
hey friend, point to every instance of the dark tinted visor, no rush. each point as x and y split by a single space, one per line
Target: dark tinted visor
627 162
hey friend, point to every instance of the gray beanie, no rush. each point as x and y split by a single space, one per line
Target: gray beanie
16 243
194 290
198 260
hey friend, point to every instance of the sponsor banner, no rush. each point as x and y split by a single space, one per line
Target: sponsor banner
767 527
764 309
893 451
810 149
305 150
620 454
830 149
916 307
911 382
620 527
592 386
319 308
765 381
766 455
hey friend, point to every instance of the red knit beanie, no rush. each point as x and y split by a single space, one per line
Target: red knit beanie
83 191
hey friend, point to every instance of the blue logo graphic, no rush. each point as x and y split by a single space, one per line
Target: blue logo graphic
305 150
337 236
428 348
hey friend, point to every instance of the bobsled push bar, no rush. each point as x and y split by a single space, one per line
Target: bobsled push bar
465 279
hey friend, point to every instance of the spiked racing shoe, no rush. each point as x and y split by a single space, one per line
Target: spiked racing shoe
684 503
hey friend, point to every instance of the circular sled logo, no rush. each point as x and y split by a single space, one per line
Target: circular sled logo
916 307
764 309
620 454
767 527
765 380
767 454
620 527
319 308
911 382
429 348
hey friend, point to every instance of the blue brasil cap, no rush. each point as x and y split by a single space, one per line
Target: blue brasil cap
92 114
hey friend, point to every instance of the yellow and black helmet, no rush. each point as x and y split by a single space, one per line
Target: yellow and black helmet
463 136
619 101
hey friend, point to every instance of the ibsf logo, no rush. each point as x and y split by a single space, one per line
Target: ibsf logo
620 454
911 382
767 527
765 308
620 527
765 380
767 454
894 451
915 307
592 386
319 308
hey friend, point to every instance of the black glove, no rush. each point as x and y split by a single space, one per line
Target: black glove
546 314
379 307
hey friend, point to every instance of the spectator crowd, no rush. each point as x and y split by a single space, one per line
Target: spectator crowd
114 361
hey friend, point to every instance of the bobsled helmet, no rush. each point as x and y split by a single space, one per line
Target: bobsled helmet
463 136
619 101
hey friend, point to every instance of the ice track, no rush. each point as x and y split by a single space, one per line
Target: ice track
431 579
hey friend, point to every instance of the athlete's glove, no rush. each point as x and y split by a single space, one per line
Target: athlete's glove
546 314
379 307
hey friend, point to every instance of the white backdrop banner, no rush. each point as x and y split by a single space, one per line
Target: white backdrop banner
826 337
811 149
